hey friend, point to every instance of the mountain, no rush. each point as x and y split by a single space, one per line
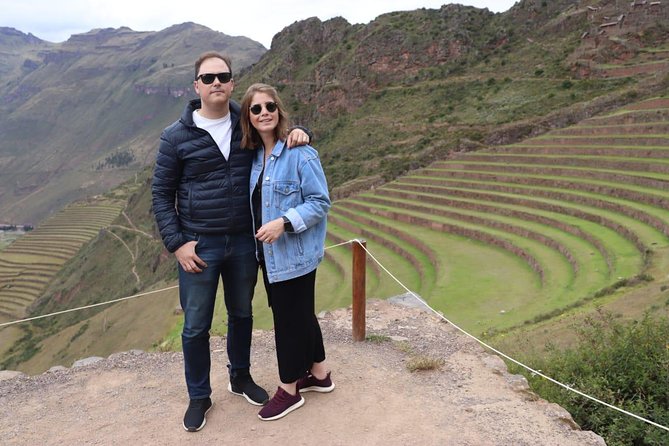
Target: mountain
81 116
522 243
396 94
69 108
412 87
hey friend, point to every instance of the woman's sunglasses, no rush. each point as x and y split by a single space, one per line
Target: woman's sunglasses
257 108
208 78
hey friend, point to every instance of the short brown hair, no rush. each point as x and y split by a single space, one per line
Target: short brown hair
251 138
211 55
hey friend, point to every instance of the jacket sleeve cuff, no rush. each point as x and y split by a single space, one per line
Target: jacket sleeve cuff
296 220
175 242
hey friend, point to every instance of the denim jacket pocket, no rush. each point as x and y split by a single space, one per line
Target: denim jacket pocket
286 194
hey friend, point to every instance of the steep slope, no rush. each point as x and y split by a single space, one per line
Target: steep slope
411 87
18 52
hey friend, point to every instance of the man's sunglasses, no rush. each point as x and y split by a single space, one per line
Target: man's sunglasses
208 78
269 106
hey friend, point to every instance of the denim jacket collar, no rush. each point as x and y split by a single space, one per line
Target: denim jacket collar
278 148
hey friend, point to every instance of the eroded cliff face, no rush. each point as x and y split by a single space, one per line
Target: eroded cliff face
336 65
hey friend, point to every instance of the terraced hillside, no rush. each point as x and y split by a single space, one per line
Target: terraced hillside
28 264
514 234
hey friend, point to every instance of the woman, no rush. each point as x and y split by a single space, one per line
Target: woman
289 196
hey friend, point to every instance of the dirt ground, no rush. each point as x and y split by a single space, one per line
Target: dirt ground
139 398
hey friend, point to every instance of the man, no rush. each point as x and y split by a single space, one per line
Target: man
201 199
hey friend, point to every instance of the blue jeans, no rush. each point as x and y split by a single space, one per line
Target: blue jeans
232 258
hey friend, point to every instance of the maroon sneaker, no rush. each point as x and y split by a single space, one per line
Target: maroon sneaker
311 384
281 404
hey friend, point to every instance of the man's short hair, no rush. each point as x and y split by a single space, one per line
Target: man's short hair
211 55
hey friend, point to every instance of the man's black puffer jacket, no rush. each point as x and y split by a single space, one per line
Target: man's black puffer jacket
212 194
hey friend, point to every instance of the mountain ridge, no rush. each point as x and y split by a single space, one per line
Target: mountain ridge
130 84
327 71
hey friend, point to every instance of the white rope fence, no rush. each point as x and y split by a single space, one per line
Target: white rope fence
70 310
489 347
536 372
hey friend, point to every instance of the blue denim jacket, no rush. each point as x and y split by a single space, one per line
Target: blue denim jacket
293 185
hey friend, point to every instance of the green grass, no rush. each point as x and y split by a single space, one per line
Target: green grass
424 363
593 267
621 136
625 258
470 290
383 286
627 303
649 234
376 338
626 250
420 256
513 177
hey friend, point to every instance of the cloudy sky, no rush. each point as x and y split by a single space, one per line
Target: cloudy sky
56 20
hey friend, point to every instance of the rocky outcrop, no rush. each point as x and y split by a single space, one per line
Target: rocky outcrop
13 38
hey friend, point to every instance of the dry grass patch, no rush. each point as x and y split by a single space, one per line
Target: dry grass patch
421 363
376 338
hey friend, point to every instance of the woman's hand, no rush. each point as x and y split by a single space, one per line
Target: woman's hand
270 231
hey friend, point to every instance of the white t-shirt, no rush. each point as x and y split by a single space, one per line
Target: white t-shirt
219 129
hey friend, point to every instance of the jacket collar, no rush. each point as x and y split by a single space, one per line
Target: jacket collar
278 148
194 104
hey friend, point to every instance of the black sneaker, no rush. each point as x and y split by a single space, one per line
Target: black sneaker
195 417
242 384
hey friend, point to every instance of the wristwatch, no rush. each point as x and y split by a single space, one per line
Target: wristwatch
287 225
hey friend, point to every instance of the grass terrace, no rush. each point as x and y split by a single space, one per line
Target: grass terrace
29 263
515 234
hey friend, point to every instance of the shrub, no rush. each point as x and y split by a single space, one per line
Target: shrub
118 159
626 365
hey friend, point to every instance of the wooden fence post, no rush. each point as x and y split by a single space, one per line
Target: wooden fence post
359 264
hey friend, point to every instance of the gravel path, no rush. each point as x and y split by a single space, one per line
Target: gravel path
139 398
